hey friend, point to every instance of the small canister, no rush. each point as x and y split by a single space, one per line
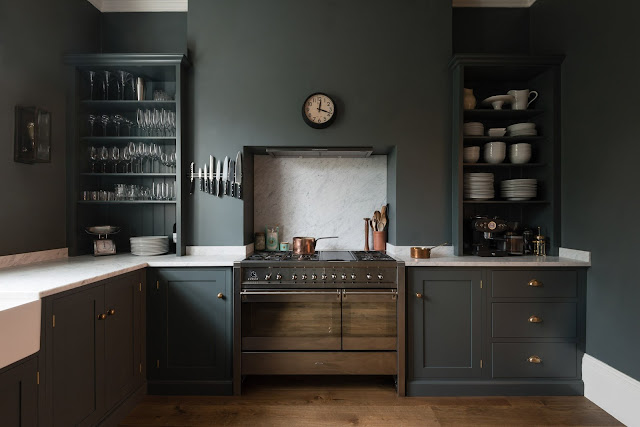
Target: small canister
540 244
284 246
259 244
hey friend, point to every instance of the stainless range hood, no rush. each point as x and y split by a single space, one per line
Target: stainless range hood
321 152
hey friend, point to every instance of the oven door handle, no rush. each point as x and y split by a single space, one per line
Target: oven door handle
290 296
393 293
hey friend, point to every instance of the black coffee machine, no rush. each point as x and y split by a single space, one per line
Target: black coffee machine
487 236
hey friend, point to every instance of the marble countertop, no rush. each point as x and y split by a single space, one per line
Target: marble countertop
39 280
476 261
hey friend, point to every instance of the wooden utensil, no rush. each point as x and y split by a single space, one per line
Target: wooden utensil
377 216
366 234
383 217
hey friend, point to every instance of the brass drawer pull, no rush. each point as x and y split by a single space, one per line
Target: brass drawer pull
535 283
102 316
220 295
111 312
419 295
535 319
534 359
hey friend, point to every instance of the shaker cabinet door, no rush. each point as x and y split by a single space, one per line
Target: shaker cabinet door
19 394
444 323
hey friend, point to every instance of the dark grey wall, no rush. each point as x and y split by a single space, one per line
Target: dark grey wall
385 63
34 34
490 30
600 161
155 32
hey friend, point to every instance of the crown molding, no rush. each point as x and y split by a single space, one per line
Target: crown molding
140 5
493 3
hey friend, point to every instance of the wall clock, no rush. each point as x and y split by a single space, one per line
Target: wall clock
319 110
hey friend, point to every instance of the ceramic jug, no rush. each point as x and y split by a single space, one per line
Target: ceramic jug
469 102
522 100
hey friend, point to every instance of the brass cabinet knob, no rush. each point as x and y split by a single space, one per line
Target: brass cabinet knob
220 295
111 312
534 359
535 319
419 295
535 283
102 316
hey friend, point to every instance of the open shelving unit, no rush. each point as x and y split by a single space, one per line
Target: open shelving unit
490 75
135 217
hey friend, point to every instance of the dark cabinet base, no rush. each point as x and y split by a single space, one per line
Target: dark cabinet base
191 388
495 388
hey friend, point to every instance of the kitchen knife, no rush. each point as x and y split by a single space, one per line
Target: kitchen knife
232 177
238 190
201 180
206 179
225 176
192 184
210 174
218 178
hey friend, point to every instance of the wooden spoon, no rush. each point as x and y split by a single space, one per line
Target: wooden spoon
376 218
383 217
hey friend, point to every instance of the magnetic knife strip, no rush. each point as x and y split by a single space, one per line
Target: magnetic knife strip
226 180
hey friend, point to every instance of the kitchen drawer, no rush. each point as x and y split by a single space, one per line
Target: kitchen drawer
533 320
511 360
534 283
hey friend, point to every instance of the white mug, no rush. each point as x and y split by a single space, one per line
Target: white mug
522 101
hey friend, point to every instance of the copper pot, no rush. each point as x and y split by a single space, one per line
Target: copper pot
306 245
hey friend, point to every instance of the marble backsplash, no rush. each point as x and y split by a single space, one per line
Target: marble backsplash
319 197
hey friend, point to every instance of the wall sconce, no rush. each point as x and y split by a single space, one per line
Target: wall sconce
32 135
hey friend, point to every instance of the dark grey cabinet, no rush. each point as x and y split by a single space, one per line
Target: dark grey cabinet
189 330
445 323
93 345
19 393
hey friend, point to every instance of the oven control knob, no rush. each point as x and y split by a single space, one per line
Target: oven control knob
304 277
369 276
334 277
294 277
324 277
314 276
278 276
267 277
380 277
344 276
353 277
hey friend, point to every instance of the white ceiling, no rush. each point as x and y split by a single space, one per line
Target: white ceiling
182 5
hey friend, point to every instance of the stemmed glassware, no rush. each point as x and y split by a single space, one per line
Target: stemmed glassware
131 149
104 156
117 121
115 158
107 79
92 120
93 157
104 120
92 80
126 159
122 79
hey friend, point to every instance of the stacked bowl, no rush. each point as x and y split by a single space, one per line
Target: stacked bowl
519 189
495 152
149 245
522 129
471 154
478 186
473 129
520 153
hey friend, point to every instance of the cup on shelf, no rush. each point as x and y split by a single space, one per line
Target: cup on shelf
471 154
495 152
520 153
522 101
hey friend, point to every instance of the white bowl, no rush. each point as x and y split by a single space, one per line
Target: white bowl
495 152
521 126
471 154
497 131
520 153
497 105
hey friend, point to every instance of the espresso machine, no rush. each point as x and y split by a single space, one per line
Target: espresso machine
487 236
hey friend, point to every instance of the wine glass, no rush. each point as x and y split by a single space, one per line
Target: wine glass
93 157
172 122
148 122
117 120
104 119
172 161
140 121
92 79
128 123
92 121
104 156
107 79
154 155
126 159
131 149
115 158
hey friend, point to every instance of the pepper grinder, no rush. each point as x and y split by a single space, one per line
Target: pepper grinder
539 244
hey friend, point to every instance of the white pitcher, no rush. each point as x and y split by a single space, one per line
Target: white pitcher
522 101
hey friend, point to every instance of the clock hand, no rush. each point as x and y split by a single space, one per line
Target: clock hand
320 109
320 105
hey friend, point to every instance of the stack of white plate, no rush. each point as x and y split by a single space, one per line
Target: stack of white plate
473 129
519 189
149 245
522 129
478 186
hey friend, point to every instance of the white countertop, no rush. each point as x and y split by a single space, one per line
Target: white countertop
476 261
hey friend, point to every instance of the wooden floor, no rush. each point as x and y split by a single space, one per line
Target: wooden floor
330 401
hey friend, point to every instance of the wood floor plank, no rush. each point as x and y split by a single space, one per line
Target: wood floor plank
365 401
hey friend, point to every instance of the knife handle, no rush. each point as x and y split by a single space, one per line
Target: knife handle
226 187
206 185
201 184
192 186
219 184
238 192
233 189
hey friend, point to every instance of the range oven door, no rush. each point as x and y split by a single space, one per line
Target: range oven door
286 320
369 319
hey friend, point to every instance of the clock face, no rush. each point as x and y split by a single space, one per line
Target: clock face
319 111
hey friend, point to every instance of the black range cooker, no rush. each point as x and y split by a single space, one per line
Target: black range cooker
330 313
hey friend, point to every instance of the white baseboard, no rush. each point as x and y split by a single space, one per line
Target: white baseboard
610 389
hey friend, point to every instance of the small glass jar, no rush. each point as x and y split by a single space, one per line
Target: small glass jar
259 244
272 237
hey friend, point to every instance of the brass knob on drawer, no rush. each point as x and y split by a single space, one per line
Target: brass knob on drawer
102 316
419 295
535 283
220 295
111 312
535 319
534 359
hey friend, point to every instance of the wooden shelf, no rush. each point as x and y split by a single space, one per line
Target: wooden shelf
127 139
126 202
130 174
505 165
500 114
505 202
470 140
115 106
